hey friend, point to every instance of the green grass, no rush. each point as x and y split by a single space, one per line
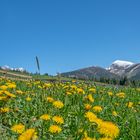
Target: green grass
73 112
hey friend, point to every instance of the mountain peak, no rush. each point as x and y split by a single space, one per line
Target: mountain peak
122 63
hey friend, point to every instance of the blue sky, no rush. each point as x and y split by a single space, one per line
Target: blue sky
68 34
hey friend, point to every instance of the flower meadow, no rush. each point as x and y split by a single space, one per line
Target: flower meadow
35 110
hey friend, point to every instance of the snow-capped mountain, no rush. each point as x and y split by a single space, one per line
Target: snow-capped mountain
119 67
117 70
6 67
125 68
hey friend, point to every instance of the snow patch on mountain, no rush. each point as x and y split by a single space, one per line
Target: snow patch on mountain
6 67
119 67
121 63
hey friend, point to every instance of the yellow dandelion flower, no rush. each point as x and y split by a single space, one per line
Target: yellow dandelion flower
129 104
3 87
108 129
110 93
11 85
93 90
114 113
91 116
47 85
9 94
49 99
19 92
58 119
106 138
28 99
88 138
28 135
90 98
19 128
3 98
58 104
88 106
55 129
97 108
121 95
4 110
45 117
68 93
80 91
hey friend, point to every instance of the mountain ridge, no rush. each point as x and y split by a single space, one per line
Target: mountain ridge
118 69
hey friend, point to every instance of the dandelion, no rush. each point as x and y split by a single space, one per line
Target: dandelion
108 129
90 98
105 138
58 104
110 93
29 134
9 94
91 116
4 110
28 99
121 95
49 99
58 119
88 106
68 93
129 104
3 98
11 85
45 117
3 87
114 113
80 91
97 108
19 128
93 90
55 129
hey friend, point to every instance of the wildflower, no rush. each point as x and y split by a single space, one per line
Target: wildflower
121 95
11 85
68 93
4 110
129 104
9 94
97 108
50 99
93 90
88 106
19 128
55 129
19 92
91 116
28 99
3 87
47 85
108 129
58 119
106 138
114 113
90 98
110 93
29 134
58 104
45 117
3 98
80 91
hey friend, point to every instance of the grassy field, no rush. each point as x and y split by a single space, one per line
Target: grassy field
34 110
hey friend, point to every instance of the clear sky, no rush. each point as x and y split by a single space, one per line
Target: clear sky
68 34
